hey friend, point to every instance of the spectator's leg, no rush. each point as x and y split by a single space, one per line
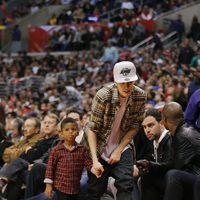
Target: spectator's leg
13 191
179 185
35 180
13 170
197 189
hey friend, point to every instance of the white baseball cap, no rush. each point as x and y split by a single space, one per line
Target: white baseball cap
124 71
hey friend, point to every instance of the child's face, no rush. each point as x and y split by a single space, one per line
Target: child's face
69 132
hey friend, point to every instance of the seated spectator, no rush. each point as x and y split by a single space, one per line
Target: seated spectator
195 62
186 154
153 171
147 13
78 14
4 143
31 130
178 25
110 53
15 130
126 4
186 53
195 29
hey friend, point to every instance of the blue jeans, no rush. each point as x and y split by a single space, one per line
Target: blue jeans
122 172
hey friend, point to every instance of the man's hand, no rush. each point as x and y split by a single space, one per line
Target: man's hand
97 169
115 157
143 166
48 191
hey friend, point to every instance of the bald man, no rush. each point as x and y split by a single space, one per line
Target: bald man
186 156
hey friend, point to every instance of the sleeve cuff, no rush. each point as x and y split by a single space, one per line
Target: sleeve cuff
48 180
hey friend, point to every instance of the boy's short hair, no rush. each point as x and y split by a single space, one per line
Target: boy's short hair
68 120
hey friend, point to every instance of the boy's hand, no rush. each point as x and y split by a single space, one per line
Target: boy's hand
48 191
97 169
135 171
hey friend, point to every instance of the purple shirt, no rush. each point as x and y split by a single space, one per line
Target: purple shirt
192 112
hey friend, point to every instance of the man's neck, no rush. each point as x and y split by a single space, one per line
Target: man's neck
158 140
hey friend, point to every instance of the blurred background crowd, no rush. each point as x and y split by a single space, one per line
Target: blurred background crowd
86 38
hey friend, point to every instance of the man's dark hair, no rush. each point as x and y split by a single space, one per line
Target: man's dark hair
68 120
75 111
154 113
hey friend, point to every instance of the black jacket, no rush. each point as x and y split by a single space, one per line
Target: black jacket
186 146
39 149
164 156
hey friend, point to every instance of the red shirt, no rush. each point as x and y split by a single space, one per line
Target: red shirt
65 167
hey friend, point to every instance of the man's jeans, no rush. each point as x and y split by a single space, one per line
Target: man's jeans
122 172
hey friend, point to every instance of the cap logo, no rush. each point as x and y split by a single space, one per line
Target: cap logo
125 71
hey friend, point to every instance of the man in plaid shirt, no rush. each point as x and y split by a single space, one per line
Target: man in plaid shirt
117 113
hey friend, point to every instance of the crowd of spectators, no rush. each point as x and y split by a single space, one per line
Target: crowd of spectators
165 75
86 10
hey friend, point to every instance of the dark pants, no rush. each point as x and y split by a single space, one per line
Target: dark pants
152 186
13 191
35 180
179 185
63 196
197 189
122 172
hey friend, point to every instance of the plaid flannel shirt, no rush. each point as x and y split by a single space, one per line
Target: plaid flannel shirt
104 108
65 167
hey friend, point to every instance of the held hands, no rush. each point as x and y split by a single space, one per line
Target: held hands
97 169
115 157
49 190
135 171
143 166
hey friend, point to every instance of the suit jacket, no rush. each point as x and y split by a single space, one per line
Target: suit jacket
164 155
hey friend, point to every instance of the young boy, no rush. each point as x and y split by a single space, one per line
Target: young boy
66 163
